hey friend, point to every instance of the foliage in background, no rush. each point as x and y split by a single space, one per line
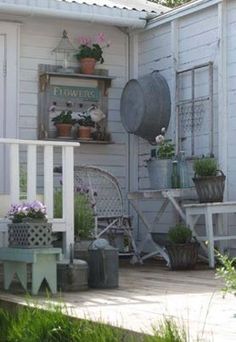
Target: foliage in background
171 3
180 234
83 213
23 182
205 167
29 324
227 272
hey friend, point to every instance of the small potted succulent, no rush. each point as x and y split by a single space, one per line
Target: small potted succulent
209 180
29 227
181 248
64 123
90 52
160 164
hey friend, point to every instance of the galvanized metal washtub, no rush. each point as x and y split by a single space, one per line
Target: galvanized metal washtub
146 106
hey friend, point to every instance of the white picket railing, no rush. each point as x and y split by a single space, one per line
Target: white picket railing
66 223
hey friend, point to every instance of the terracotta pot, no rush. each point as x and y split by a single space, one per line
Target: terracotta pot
64 130
87 65
84 132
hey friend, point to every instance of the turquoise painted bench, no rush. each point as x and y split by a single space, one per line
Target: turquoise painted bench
44 266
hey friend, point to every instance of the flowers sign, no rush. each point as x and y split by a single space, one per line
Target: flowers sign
32 211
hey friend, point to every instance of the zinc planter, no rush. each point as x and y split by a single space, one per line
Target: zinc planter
210 188
182 256
159 171
30 234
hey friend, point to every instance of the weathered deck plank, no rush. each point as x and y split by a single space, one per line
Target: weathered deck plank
146 293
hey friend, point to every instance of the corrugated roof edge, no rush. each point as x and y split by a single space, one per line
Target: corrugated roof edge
159 8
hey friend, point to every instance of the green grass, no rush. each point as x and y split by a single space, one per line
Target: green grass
30 324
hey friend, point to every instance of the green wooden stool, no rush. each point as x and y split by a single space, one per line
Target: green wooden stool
44 266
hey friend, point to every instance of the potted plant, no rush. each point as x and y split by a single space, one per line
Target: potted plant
208 180
182 250
85 126
29 227
84 219
160 164
64 123
90 52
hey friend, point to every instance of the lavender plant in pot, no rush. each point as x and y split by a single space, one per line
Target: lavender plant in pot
160 164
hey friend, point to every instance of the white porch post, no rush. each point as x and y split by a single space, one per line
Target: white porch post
68 196
14 173
31 173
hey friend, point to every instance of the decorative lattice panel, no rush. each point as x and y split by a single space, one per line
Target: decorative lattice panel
30 234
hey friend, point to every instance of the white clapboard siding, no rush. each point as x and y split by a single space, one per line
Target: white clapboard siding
39 36
197 43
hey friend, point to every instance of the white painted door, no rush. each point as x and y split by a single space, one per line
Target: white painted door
8 93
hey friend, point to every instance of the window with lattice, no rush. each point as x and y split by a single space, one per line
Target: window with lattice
194 110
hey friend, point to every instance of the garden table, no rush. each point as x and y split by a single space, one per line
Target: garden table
173 196
194 211
44 266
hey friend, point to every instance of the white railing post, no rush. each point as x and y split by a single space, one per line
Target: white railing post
68 196
31 173
48 180
14 173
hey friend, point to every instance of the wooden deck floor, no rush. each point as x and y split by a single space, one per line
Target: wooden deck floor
148 292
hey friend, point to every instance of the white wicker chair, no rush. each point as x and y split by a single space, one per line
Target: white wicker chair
105 194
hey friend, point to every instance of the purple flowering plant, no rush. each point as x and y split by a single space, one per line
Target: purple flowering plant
21 212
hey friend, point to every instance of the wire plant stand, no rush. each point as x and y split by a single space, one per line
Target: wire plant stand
196 111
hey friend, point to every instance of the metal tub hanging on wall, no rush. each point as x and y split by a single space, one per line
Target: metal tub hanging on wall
146 106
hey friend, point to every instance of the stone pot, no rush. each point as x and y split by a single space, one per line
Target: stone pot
87 65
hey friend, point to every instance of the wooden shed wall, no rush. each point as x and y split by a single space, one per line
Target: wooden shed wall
179 44
37 38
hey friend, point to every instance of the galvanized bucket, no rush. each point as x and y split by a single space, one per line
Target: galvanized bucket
159 171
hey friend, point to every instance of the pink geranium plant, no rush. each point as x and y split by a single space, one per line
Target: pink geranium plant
21 212
92 47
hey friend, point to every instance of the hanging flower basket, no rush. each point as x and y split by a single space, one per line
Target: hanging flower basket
30 234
